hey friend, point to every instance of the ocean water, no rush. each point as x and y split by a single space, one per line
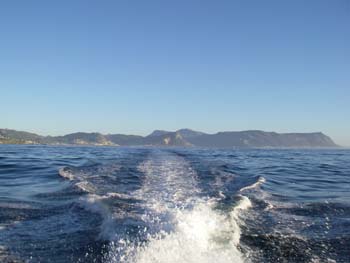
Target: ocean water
109 204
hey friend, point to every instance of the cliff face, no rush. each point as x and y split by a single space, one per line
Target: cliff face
183 137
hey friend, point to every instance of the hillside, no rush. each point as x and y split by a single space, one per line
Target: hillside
182 137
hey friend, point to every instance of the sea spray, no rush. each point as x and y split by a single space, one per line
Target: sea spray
199 232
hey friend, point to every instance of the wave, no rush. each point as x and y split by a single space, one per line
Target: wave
89 172
166 205
259 182
66 173
5 256
91 178
201 234
175 221
190 228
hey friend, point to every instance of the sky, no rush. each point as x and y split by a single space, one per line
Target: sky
135 66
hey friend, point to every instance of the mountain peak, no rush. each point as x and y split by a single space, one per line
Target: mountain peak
188 133
156 133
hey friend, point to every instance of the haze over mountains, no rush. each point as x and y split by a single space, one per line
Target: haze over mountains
182 137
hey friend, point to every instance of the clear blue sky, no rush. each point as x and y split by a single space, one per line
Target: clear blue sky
135 66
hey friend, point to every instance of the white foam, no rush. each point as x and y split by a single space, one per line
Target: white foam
199 233
169 182
66 174
260 181
182 226
243 204
85 186
88 174
93 204
117 195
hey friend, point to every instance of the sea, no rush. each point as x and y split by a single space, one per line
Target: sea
173 205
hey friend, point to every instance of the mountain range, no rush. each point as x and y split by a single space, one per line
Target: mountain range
182 137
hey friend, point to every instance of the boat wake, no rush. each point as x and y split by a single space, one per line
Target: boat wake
171 219
182 225
144 205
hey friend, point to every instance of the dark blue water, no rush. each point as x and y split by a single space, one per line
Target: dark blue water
106 204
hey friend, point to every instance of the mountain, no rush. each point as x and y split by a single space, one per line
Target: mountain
157 133
182 137
188 133
167 139
262 139
82 138
124 140
19 137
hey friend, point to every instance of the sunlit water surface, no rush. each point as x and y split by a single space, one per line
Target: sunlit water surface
109 204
